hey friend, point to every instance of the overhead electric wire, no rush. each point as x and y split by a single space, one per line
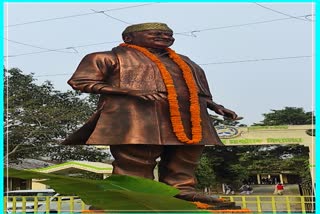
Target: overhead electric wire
276 11
100 43
213 63
238 25
51 19
192 33
59 49
256 60
112 17
76 15
308 17
47 49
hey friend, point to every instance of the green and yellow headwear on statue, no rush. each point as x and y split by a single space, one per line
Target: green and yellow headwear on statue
146 26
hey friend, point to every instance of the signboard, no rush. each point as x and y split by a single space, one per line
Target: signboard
259 135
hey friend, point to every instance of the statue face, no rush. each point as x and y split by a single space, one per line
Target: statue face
151 39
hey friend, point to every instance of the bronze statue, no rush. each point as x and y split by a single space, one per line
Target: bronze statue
153 104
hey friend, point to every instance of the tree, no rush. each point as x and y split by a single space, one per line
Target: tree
220 164
233 164
272 158
287 116
38 117
292 155
205 174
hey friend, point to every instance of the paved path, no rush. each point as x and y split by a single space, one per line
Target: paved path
289 189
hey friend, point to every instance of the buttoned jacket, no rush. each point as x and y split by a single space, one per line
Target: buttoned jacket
125 119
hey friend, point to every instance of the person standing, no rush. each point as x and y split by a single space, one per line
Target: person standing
279 188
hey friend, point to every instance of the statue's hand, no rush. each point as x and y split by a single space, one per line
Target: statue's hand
227 113
219 109
148 95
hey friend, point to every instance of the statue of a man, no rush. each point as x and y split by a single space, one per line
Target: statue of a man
153 103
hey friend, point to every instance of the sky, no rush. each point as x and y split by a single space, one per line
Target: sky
256 56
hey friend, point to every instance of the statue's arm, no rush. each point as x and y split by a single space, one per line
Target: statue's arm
217 108
92 72
95 71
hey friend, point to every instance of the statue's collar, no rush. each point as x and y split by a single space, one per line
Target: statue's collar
158 52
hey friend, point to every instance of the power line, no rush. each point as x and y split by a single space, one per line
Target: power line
186 33
276 11
256 60
59 49
47 49
192 33
308 17
76 15
212 63
72 48
100 43
112 17
46 20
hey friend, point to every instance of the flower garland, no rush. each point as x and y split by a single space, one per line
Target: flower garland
175 115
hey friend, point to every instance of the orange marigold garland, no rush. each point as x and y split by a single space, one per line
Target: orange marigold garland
201 205
175 115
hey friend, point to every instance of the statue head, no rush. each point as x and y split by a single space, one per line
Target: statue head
149 35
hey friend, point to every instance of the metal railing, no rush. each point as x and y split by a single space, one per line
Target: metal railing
43 204
257 204
275 204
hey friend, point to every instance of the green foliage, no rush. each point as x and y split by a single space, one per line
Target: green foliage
205 174
277 158
117 192
233 164
222 164
38 117
287 116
